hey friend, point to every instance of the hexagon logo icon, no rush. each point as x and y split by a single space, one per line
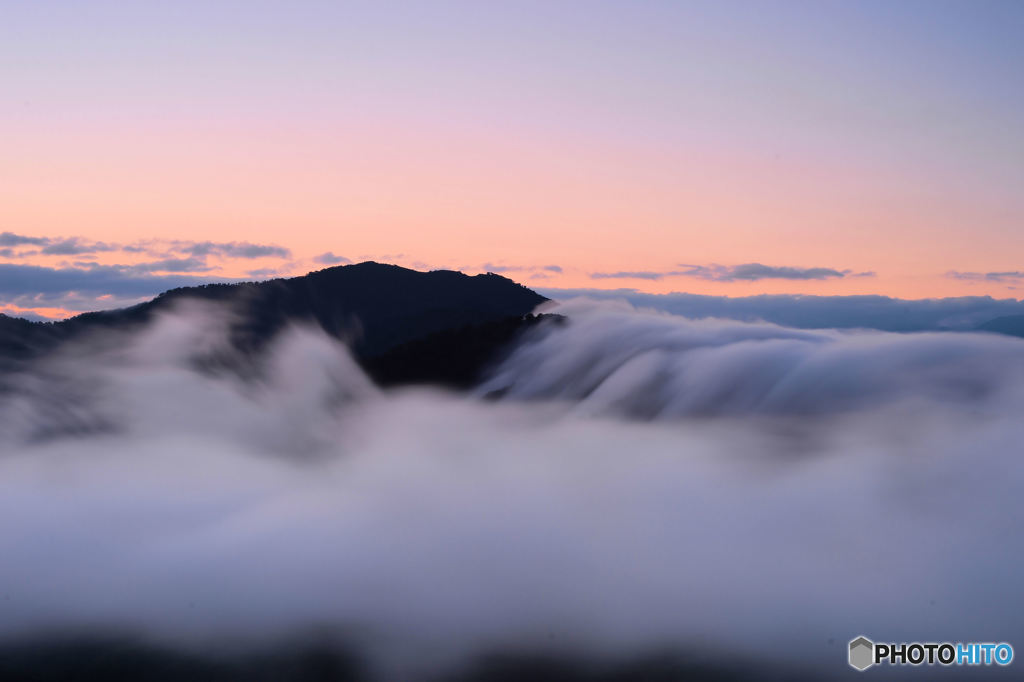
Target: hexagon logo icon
862 653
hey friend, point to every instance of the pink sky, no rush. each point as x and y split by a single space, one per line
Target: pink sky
513 141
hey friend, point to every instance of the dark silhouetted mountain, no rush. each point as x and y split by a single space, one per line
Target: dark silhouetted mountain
402 325
452 357
17 336
1013 325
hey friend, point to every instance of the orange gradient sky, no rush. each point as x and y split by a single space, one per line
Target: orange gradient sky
598 138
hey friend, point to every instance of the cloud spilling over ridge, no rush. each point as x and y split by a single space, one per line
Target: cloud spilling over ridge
144 485
613 358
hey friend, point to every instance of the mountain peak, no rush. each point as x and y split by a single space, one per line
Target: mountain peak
375 307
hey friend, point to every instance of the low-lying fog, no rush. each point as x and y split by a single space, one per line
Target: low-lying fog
626 482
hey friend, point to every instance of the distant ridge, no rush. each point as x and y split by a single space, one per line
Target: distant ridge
375 307
1012 325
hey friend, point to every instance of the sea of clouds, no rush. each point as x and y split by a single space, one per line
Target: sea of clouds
626 481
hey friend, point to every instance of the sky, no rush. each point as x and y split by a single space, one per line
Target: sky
726 149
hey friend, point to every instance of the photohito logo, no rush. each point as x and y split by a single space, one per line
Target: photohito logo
864 653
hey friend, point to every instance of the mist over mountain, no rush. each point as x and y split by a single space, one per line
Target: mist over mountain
610 358
629 495
621 494
388 315
245 456
446 328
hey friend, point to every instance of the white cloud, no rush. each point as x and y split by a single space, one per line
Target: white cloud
136 491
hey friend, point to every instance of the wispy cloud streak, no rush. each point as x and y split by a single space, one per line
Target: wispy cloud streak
748 272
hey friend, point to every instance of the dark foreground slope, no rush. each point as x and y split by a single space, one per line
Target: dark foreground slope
402 325
111 660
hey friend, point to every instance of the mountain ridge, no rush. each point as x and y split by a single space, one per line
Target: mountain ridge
373 307
1010 325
